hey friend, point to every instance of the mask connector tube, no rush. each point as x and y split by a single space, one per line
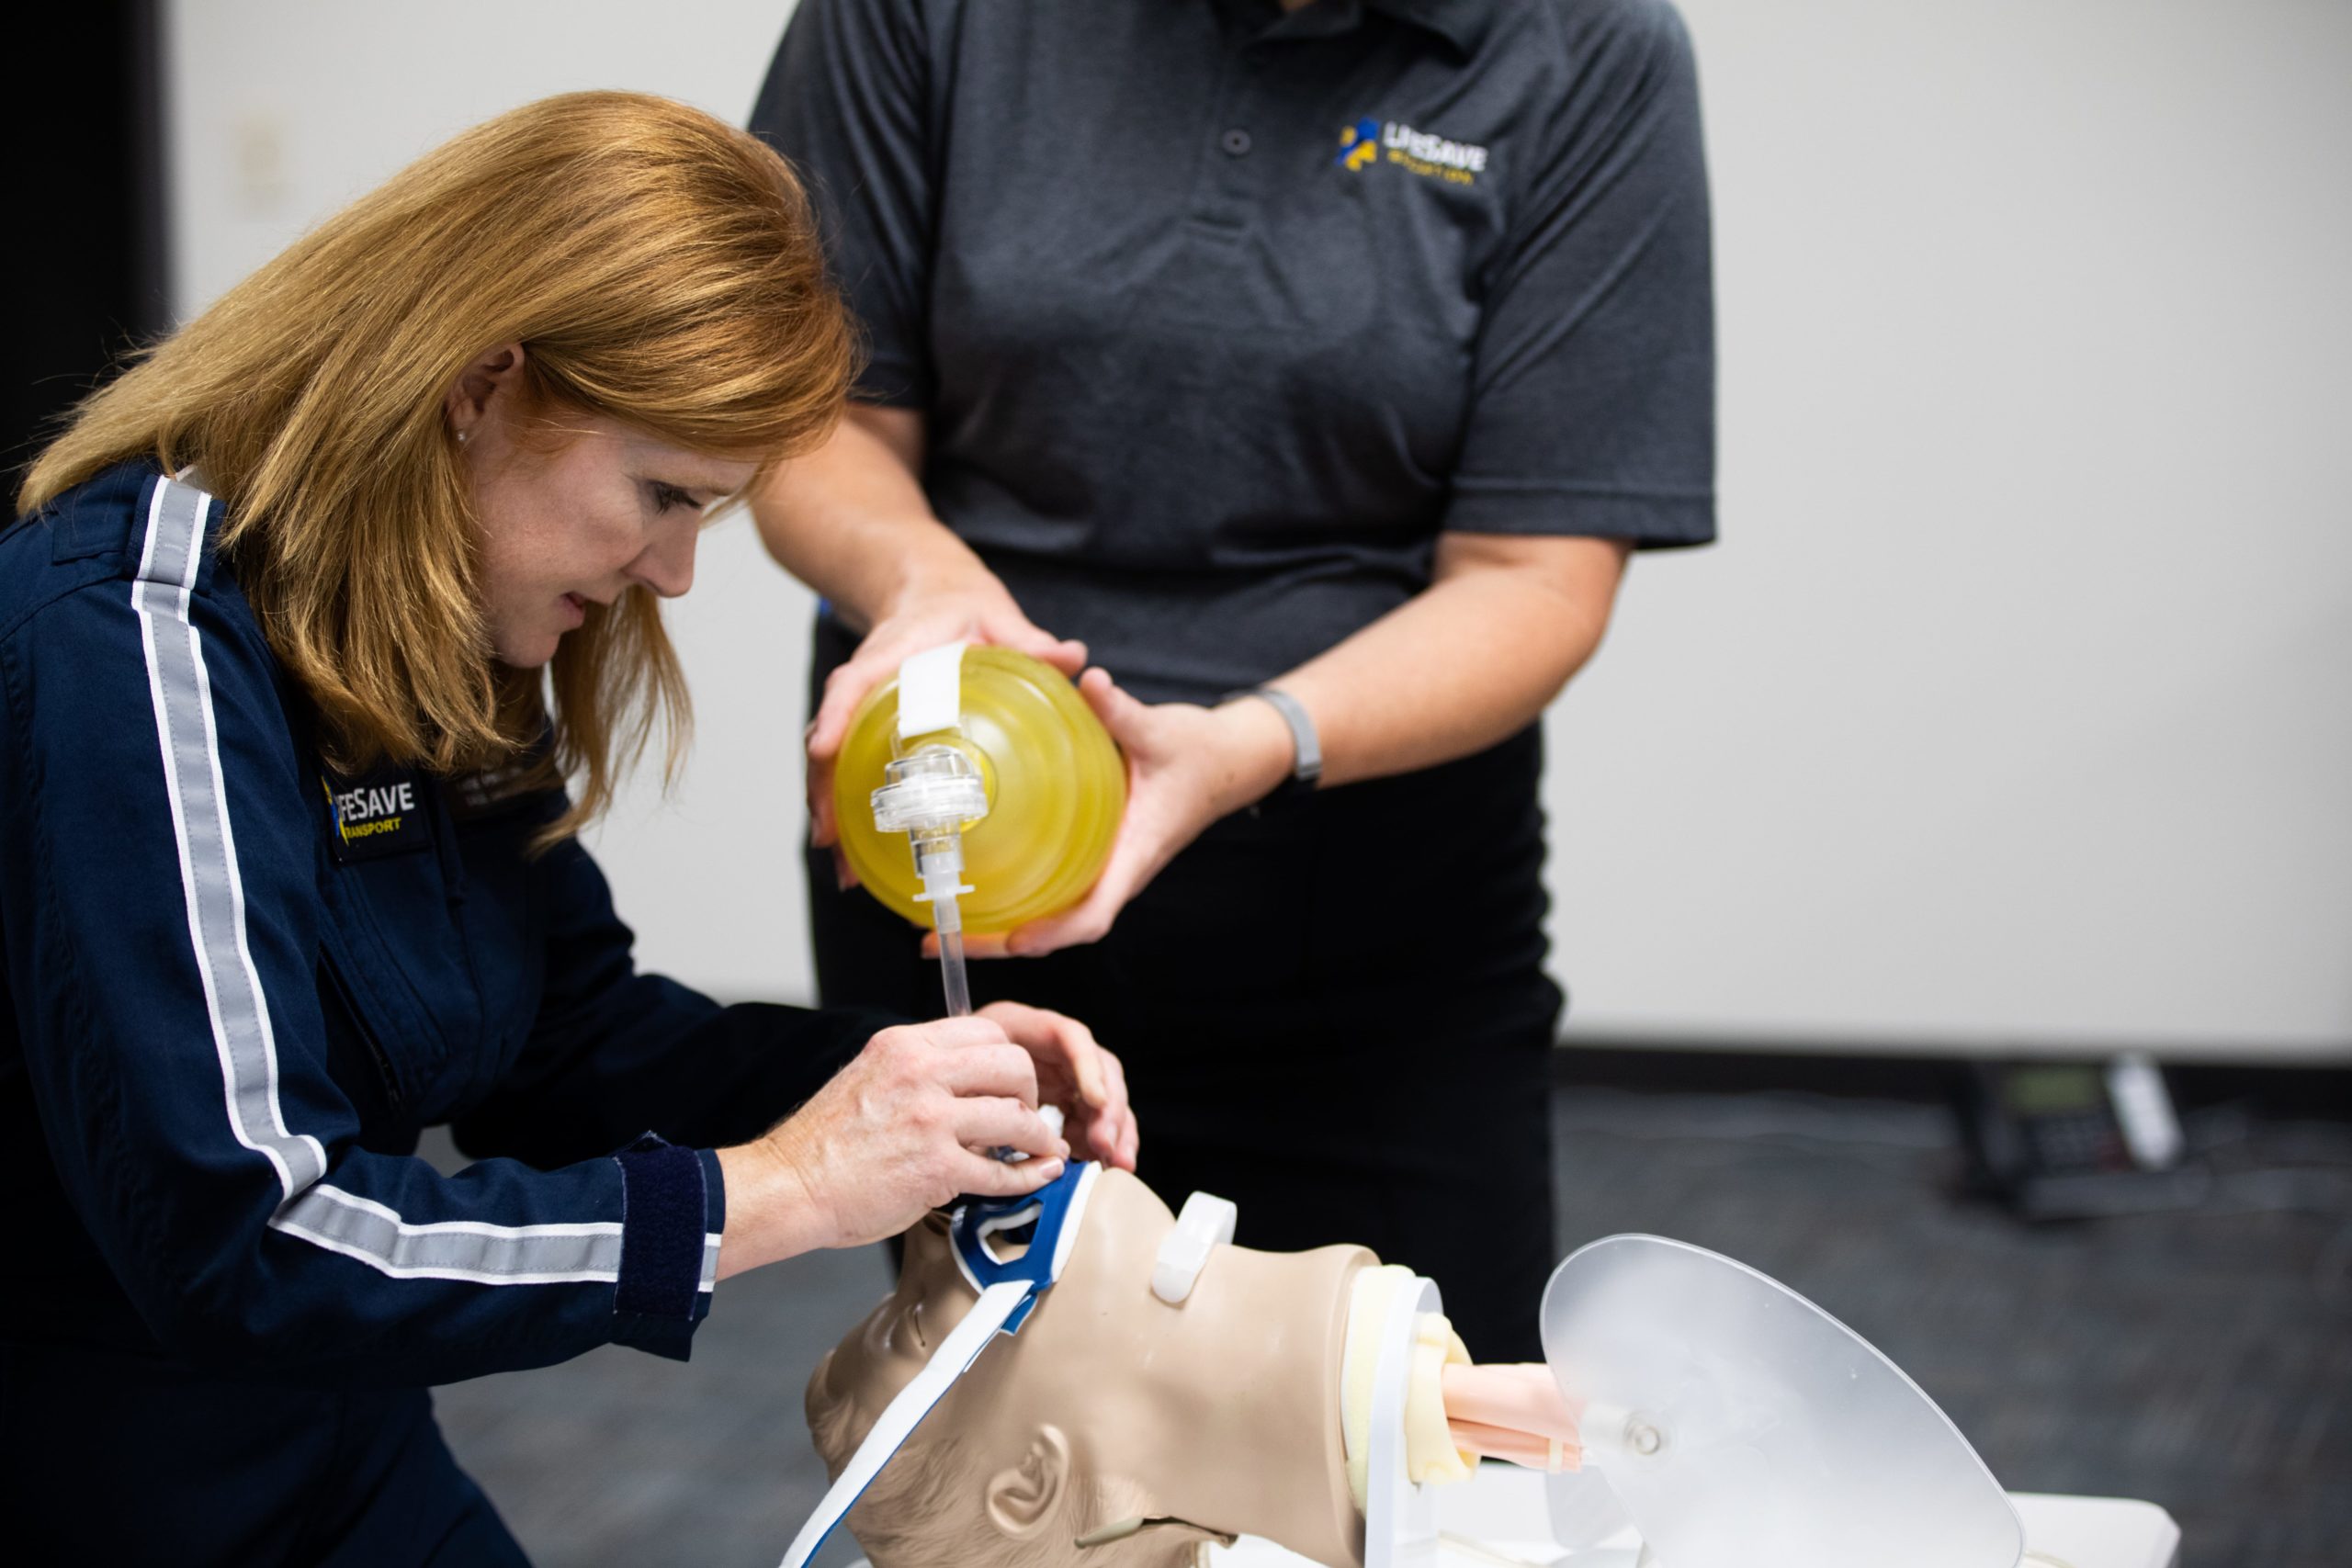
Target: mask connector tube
931 794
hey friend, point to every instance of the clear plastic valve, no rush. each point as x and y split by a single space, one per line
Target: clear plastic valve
934 789
931 794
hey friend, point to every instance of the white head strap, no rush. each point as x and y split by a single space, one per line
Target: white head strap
1009 1288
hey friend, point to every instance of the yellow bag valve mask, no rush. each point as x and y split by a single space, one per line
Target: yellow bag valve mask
979 787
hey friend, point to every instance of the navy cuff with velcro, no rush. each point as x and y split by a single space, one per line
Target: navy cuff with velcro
665 1208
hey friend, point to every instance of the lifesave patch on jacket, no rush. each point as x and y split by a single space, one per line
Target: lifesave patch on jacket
383 813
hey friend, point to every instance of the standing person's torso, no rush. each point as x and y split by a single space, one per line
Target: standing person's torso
1204 350
1200 300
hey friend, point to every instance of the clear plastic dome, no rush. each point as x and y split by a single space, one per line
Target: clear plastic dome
1742 1427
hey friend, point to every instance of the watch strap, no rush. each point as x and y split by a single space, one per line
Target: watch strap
1307 750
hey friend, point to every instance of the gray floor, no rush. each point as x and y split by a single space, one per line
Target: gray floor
2199 1359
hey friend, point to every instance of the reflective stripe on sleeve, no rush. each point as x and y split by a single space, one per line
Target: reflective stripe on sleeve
454 1250
182 693
314 1211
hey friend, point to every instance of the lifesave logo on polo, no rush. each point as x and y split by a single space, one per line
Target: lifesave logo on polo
1417 151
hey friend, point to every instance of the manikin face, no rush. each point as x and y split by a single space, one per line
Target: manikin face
1222 1412
881 1355
574 511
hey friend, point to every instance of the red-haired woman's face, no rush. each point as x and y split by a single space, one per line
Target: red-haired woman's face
574 510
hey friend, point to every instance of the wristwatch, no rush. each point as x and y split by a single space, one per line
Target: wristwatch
1306 751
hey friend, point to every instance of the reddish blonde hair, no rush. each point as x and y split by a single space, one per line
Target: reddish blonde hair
659 268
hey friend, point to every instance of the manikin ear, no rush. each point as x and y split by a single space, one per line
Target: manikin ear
1022 1501
495 374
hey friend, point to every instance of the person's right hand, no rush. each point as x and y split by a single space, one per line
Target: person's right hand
894 1134
974 612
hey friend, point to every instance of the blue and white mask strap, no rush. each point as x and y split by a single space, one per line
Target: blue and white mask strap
1005 1300
1057 1211
904 1413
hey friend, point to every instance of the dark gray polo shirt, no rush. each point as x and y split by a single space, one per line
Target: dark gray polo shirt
1220 315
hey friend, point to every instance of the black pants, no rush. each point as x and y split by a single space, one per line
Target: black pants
1332 1011
120 1459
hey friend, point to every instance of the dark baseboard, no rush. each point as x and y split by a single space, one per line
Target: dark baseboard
2283 1091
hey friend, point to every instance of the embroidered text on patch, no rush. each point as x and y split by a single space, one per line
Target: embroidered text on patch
1417 151
376 816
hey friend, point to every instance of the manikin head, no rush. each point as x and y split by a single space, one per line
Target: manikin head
1215 1417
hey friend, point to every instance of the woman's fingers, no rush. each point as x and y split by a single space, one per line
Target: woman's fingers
875 660
1056 1038
878 659
1075 1071
1123 1138
957 1032
1086 1056
844 689
1089 919
1064 654
822 833
1075 927
991 1123
1109 1137
1169 803
984 1177
1124 716
1004 1070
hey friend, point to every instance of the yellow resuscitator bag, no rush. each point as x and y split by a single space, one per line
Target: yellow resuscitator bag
1052 783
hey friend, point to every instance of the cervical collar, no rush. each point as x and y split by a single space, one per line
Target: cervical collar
1009 1288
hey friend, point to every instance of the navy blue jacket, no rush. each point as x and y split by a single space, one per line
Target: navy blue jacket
238 987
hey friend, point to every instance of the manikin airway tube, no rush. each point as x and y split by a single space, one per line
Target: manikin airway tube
1512 1412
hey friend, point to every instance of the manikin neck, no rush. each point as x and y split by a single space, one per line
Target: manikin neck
1259 1452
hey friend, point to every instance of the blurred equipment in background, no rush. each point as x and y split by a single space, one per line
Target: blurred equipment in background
2064 1141
86 172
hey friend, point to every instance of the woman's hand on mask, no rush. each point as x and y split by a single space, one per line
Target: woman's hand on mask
1076 1073
894 1133
1187 766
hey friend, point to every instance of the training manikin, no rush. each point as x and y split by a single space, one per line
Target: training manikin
1224 1415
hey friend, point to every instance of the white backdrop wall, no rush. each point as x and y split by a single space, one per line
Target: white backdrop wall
2015 711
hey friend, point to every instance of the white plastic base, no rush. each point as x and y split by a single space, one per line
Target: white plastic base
1503 1510
1400 1526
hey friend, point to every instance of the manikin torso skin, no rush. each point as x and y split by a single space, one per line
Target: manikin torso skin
1222 1412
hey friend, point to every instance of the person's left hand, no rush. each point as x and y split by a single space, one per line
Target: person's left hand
1076 1073
1187 766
